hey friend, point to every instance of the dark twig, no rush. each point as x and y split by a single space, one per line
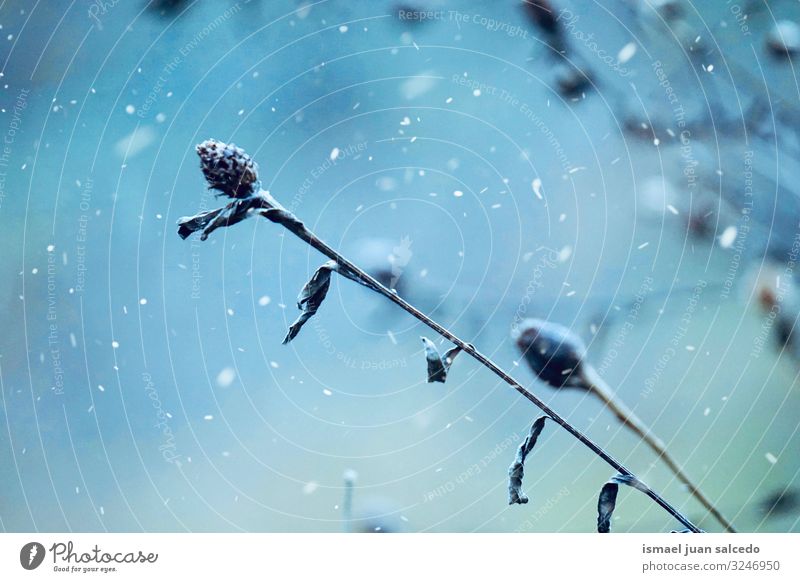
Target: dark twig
221 162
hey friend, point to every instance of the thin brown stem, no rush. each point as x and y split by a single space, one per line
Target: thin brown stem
597 386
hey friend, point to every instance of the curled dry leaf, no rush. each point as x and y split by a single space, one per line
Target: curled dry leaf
228 215
187 225
608 499
438 366
517 471
311 297
605 506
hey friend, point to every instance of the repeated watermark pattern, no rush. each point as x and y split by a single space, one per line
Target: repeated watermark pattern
7 147
53 337
542 509
475 469
168 447
676 340
742 228
100 8
548 259
82 235
523 108
482 21
627 327
178 59
569 21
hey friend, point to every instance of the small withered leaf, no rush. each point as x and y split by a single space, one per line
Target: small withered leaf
311 297
516 471
438 366
608 499
605 506
188 225
230 214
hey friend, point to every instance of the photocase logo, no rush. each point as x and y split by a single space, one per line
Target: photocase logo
31 555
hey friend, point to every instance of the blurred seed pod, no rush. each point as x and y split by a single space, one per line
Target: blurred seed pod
784 39
552 351
669 10
700 223
543 16
777 295
771 286
166 7
634 127
782 502
386 260
572 83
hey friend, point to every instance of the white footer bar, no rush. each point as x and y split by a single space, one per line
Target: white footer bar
407 557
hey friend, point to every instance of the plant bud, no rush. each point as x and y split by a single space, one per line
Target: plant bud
227 168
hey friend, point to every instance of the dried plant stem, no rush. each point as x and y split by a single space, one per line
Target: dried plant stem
267 206
597 386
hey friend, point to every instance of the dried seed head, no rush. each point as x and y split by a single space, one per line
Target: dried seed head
227 168
552 351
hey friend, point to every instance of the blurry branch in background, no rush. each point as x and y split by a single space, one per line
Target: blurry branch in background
784 501
167 8
557 357
350 477
545 18
231 172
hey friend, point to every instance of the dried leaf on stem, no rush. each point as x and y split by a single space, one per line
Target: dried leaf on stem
517 470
